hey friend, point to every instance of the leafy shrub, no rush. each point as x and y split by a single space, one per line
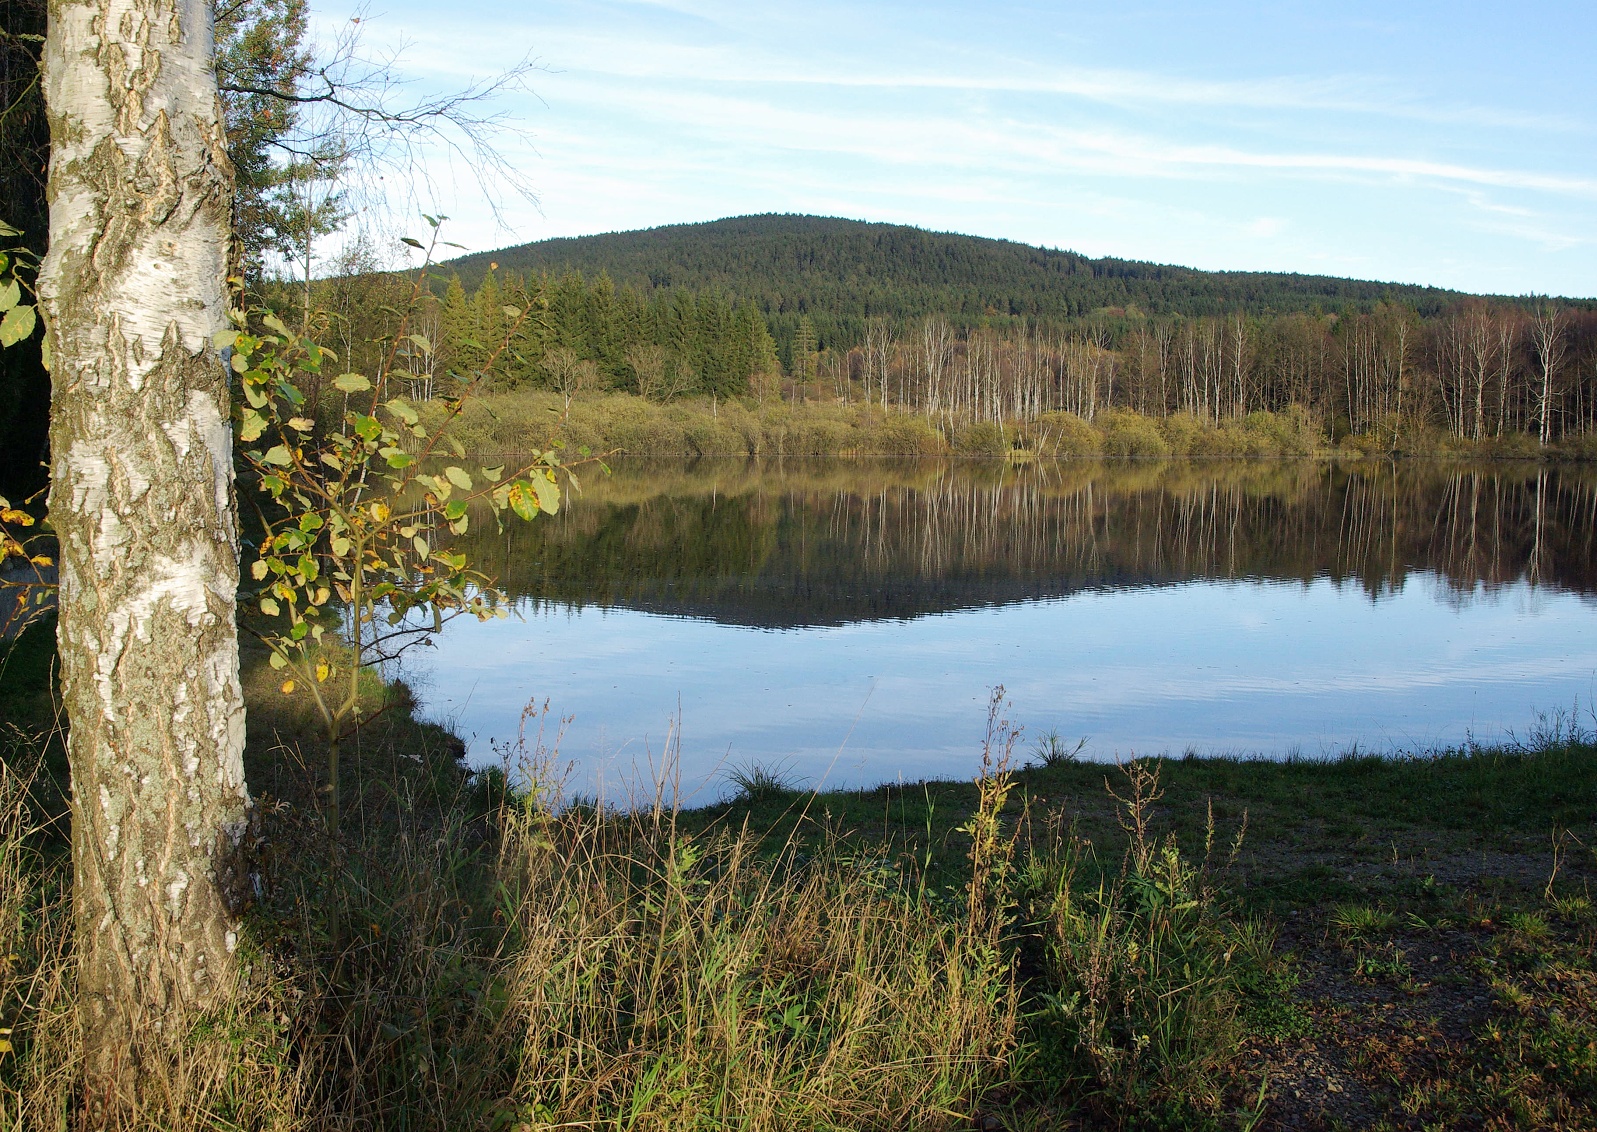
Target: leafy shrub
980 438
1180 432
1228 441
1579 446
1143 970
1066 434
1130 436
904 435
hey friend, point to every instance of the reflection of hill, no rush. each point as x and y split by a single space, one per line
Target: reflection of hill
825 543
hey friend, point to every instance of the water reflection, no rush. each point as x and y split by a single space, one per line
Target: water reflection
1240 607
795 544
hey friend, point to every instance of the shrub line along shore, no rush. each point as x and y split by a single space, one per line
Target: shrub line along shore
625 423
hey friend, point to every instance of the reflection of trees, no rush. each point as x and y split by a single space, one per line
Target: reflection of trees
828 542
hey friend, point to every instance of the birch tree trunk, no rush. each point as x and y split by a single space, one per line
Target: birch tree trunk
1547 331
133 289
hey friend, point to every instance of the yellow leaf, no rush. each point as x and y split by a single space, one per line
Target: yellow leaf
322 672
42 560
288 687
5 1045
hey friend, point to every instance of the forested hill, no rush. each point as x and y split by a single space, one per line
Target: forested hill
839 272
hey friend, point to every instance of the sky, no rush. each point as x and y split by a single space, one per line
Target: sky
1452 144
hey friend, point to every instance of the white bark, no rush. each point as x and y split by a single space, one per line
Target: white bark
134 287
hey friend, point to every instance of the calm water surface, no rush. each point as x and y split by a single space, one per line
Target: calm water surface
844 620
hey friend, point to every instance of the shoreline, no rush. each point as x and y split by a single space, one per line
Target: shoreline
627 424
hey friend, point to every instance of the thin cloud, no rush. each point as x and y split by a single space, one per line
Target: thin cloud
937 141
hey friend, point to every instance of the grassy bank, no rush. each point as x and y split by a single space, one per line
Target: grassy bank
621 422
1190 943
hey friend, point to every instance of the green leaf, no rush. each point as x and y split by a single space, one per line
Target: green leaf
403 411
258 570
398 458
251 425
272 322
522 502
10 295
454 509
422 549
17 325
547 493
421 343
277 660
269 607
458 477
352 382
278 455
492 474
340 547
222 339
254 396
413 242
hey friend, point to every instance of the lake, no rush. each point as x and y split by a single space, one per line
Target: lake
843 621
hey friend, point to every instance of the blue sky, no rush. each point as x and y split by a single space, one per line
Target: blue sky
1450 144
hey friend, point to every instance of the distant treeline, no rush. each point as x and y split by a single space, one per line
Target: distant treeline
957 329
1478 370
589 336
838 275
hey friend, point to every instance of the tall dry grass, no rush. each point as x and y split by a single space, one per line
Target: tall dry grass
509 963
232 1070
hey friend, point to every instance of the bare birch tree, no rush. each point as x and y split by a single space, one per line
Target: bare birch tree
133 288
1547 334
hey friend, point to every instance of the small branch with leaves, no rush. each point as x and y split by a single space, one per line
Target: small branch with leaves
27 581
356 511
